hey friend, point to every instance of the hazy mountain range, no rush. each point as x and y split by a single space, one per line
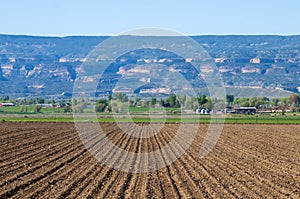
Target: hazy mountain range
249 65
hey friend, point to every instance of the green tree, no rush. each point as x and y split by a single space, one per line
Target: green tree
50 102
109 97
108 108
243 101
229 99
100 107
172 101
208 104
101 101
162 103
294 99
254 101
137 99
202 100
153 101
282 105
6 98
274 102
40 100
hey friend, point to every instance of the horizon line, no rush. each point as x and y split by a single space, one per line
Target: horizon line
107 35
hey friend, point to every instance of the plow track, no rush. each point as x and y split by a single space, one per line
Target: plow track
49 160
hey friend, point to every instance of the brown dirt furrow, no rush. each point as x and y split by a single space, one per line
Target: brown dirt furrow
234 179
221 160
120 186
31 165
267 152
275 172
205 183
102 184
270 184
5 131
42 161
29 178
272 174
56 143
19 128
12 150
31 156
21 134
187 186
18 136
219 163
159 182
48 160
92 169
138 189
236 183
133 180
285 163
73 185
68 173
170 176
97 172
196 178
84 182
268 140
57 180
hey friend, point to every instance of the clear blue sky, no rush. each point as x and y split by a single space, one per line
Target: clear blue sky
112 17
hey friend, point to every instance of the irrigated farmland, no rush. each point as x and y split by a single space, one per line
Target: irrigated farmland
48 160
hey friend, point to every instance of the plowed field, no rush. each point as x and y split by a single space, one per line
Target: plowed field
48 160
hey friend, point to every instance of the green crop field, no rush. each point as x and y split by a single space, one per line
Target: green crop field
235 119
28 110
139 114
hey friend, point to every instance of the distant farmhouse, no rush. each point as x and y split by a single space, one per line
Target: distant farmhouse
245 110
202 111
242 110
7 104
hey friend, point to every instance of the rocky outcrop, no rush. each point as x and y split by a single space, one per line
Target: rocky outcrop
49 65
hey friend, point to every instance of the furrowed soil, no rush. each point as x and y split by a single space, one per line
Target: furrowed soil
48 160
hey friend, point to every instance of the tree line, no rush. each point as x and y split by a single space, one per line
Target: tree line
119 102
292 102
